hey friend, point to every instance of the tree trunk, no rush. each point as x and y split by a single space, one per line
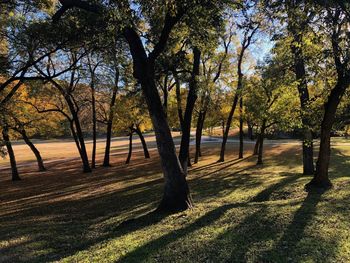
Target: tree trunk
130 147
191 100
77 132
176 195
74 134
235 100
165 95
199 131
321 179
143 142
300 74
308 152
227 129
256 147
250 131
94 127
241 134
80 137
34 150
178 100
6 137
261 143
106 160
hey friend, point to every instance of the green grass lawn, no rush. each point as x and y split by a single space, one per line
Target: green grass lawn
243 213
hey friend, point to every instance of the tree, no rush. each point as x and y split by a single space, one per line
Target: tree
270 103
215 63
249 27
176 191
297 25
132 119
93 63
8 144
68 91
337 19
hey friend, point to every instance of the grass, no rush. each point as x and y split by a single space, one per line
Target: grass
243 213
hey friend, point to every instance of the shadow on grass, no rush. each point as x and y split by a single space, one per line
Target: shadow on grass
55 230
144 252
288 247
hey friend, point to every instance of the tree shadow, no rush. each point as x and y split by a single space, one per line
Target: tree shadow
339 164
59 225
143 253
287 245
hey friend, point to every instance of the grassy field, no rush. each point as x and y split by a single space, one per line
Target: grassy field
243 213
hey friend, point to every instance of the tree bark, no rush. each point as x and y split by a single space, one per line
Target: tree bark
165 95
191 100
143 142
241 134
176 194
34 150
6 137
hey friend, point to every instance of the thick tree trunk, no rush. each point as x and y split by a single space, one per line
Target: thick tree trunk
34 150
130 147
6 137
94 128
143 142
241 134
308 152
191 100
321 179
176 195
106 160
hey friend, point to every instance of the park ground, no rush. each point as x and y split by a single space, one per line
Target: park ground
242 213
